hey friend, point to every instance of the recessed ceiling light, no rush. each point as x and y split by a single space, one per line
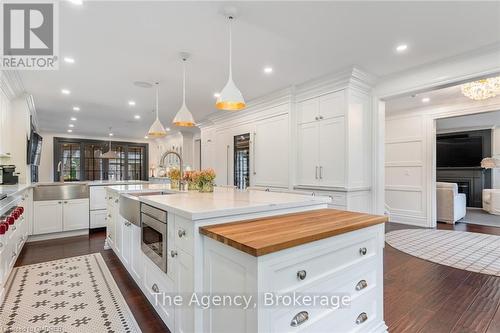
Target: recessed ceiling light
72 119
426 100
268 70
110 134
216 95
401 48
65 91
76 2
70 130
137 116
146 137
71 125
69 60
167 129
76 108
131 103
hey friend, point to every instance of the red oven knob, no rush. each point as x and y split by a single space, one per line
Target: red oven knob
3 228
10 220
15 214
21 210
6 225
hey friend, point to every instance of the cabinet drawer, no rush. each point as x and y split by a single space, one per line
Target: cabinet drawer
183 234
98 218
156 284
357 317
289 275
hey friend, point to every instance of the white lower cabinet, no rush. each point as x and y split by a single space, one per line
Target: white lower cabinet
48 217
98 218
60 215
137 258
183 268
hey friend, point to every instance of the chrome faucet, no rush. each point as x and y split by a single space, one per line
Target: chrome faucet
182 183
59 169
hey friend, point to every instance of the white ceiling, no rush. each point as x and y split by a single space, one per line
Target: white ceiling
116 43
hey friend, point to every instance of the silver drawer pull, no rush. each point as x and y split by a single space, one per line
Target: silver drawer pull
362 318
181 233
361 285
363 251
301 275
299 319
155 288
173 254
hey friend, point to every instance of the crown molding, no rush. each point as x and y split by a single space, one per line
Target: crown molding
11 84
352 77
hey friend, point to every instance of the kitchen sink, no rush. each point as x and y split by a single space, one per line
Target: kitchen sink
60 192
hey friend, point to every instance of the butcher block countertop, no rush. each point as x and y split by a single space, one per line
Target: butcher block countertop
262 236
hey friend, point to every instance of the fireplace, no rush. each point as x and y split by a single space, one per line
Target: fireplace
470 181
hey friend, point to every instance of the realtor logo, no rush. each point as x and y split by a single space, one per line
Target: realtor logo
29 32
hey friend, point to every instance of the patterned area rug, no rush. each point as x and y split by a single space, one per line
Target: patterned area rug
69 295
464 250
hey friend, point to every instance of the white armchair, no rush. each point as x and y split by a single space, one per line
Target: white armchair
491 201
451 205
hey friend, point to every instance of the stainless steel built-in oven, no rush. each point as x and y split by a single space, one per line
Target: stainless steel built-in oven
154 235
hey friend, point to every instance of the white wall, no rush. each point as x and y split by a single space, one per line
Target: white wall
410 172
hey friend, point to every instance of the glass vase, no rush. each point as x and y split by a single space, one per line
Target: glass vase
206 187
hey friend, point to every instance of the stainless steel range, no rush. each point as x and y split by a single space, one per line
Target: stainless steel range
154 235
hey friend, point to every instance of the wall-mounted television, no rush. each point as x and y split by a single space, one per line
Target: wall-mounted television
460 150
34 148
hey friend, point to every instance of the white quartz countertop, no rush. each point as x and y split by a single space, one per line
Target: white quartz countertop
225 202
130 188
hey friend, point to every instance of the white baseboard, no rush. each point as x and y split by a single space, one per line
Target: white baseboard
35 238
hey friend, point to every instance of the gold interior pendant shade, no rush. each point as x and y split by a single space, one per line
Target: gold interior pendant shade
156 130
184 118
231 98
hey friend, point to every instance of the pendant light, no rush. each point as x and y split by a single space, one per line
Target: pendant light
156 130
230 98
184 118
110 153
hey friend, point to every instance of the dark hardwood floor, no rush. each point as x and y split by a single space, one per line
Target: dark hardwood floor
42 251
420 296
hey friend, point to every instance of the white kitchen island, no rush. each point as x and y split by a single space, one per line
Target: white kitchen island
190 255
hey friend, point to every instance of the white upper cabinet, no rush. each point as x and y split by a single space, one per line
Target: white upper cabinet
333 140
332 105
269 152
5 129
223 158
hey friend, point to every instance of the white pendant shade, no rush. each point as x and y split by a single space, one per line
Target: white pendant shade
156 130
231 98
184 118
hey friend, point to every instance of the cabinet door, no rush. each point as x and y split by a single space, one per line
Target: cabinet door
307 154
223 158
137 264
75 214
332 105
47 216
98 218
332 152
111 227
207 149
308 110
269 152
184 284
97 197
126 245
119 225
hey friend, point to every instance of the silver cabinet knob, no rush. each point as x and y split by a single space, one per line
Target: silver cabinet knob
59 202
65 202
316 118
155 288
181 233
116 200
301 275
14 254
363 251
320 117
173 254
1 244
299 318
361 318
361 285
14 227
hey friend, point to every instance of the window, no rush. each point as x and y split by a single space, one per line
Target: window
81 160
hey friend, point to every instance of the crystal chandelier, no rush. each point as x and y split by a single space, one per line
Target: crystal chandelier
482 89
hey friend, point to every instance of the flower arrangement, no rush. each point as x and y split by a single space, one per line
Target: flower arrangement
189 177
204 180
175 176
